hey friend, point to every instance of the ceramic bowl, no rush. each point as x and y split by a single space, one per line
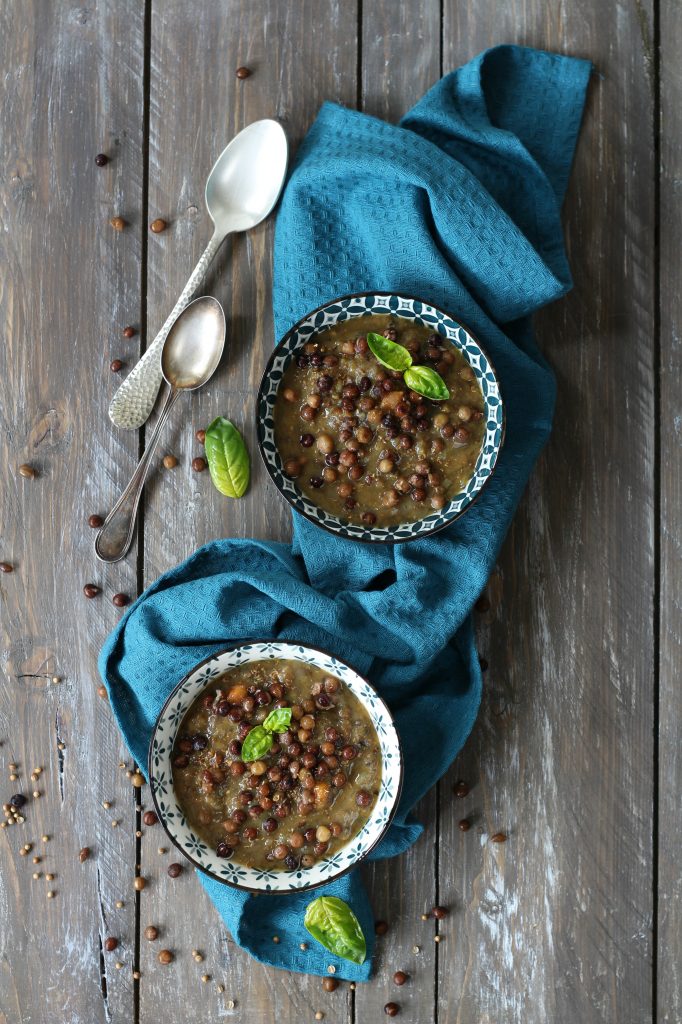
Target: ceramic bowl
193 847
410 309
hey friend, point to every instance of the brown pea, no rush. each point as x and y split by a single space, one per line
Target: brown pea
344 490
314 400
296 840
90 590
243 73
389 499
174 870
325 444
198 464
461 434
5 567
120 600
363 798
200 436
165 957
440 912
158 225
399 978
110 944
28 472
139 883
117 223
281 851
149 818
170 461
330 984
464 413
95 521
115 365
307 412
292 468
499 837
437 501
380 927
84 854
391 1009
289 395
329 475
464 825
461 788
129 332
355 472
151 933
339 780
320 848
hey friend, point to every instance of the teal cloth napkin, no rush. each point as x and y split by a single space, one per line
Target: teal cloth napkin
459 205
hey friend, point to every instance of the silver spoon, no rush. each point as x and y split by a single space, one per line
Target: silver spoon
189 358
241 191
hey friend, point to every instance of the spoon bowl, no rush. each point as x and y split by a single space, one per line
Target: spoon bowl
189 359
194 345
247 178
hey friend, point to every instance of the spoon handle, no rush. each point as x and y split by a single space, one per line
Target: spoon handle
133 402
115 536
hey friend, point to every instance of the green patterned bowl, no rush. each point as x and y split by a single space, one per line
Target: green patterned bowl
409 309
193 846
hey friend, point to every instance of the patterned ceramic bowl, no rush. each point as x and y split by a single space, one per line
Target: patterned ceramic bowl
409 309
194 848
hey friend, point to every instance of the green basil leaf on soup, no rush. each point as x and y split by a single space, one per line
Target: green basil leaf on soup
389 353
257 744
278 720
426 382
227 457
333 923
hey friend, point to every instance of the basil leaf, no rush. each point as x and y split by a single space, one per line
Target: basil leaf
257 744
278 720
228 459
389 353
333 923
426 382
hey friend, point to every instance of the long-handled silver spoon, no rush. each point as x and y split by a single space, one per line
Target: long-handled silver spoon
241 191
189 358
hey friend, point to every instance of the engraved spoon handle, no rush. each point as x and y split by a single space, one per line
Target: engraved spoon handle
133 402
116 535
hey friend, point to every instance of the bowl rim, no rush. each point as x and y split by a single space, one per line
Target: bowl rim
388 539
303 888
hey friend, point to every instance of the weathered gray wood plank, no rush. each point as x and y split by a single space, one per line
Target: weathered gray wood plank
68 284
299 55
669 968
400 61
555 925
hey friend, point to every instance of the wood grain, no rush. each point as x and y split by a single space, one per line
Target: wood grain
555 924
196 98
68 284
669 876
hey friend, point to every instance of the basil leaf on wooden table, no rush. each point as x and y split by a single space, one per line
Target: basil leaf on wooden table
278 720
389 353
333 923
257 744
426 382
227 457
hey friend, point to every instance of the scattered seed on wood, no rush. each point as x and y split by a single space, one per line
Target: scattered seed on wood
36 860
165 957
331 969
461 788
102 692
6 567
416 949
117 223
198 464
499 837
110 944
162 849
120 600
319 1015
129 332
36 875
205 978
243 73
90 590
150 818
169 461
138 779
440 912
330 984
380 927
51 894
136 975
437 938
352 986
139 883
399 978
101 159
231 1003
115 823
464 825
391 1009
200 436
158 225
49 876
119 904
28 472
151 933
55 680
138 834
424 917
220 988
36 794
174 870
115 365
44 839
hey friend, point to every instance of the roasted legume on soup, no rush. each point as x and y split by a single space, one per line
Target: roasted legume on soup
359 443
277 799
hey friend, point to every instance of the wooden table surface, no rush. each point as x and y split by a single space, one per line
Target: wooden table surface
576 751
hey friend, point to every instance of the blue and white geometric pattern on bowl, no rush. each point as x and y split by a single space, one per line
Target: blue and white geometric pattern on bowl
421 313
171 815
